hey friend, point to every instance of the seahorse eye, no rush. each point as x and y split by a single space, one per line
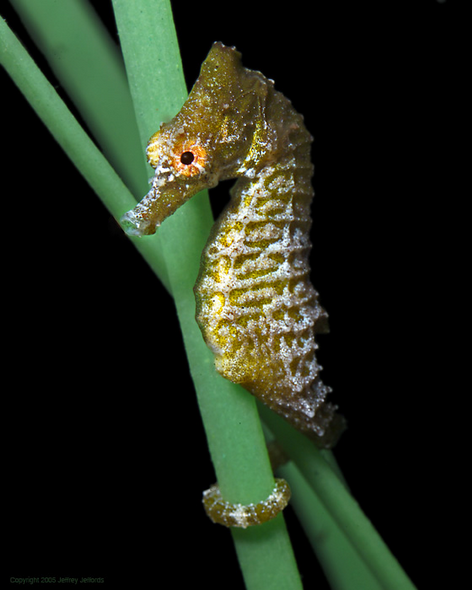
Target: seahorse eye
187 158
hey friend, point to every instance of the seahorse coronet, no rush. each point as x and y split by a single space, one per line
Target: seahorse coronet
255 304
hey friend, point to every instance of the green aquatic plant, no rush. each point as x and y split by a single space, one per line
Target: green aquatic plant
355 555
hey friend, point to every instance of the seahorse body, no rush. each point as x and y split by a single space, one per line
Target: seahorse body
256 307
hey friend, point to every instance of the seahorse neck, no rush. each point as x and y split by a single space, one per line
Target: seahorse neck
279 192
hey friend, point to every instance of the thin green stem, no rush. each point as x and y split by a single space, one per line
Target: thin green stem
339 503
341 563
93 75
69 134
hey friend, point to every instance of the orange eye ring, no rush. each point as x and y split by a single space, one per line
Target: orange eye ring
189 159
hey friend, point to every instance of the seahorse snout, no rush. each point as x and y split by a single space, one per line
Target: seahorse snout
157 205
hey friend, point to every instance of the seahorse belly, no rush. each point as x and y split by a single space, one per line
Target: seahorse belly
255 304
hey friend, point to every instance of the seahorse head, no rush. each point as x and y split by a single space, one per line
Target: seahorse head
221 132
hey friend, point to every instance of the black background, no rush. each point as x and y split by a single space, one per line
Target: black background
107 451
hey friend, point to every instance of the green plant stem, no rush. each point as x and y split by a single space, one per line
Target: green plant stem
341 563
72 138
229 414
344 567
117 198
93 75
337 500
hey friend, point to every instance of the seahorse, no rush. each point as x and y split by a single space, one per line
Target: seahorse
255 305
